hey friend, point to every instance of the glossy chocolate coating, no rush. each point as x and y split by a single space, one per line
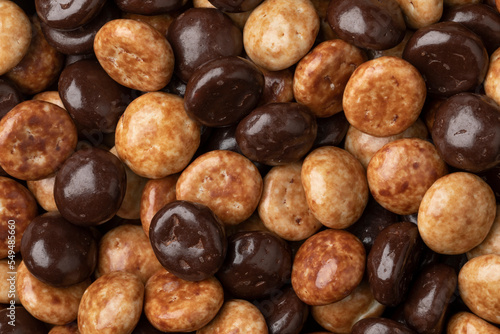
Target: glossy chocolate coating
374 219
392 262
277 133
57 252
369 24
67 15
150 7
9 96
257 263
235 6
92 98
202 34
331 130
90 186
380 325
428 299
223 91
188 240
24 322
80 40
284 312
481 19
450 57
466 132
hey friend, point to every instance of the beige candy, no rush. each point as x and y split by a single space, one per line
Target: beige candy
456 213
15 35
175 305
43 190
339 317
8 268
17 210
71 328
40 67
400 173
131 204
155 195
112 304
236 316
283 207
36 137
159 22
134 54
328 267
421 13
50 96
155 137
384 96
225 181
492 81
53 305
468 323
321 76
335 186
364 146
238 18
479 286
127 248
277 35
490 245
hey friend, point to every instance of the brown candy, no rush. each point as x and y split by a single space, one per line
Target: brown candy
465 322
328 267
491 244
36 137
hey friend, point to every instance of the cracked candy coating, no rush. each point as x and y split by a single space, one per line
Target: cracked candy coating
236 315
175 305
335 186
225 181
155 137
188 240
277 35
456 213
16 33
36 137
479 283
400 173
18 206
328 267
283 207
53 305
127 248
112 304
134 54
384 96
57 252
447 73
321 76
90 187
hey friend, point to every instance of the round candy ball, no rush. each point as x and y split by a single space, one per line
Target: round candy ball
90 187
57 252
188 240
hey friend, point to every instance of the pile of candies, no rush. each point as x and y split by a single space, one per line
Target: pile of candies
249 166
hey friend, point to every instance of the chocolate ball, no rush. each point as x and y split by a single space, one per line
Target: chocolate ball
450 57
188 240
67 15
277 133
80 40
92 98
466 132
202 34
57 252
151 7
368 24
257 263
223 91
90 187
23 322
